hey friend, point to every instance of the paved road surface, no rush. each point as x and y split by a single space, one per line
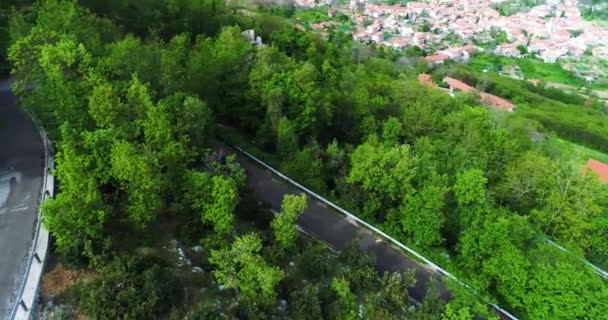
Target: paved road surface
333 228
21 169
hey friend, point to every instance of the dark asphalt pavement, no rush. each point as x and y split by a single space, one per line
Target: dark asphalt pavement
333 228
21 169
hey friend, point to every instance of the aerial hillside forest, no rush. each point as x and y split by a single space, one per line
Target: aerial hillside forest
135 94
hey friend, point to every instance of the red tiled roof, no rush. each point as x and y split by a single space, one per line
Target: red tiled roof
426 80
489 99
495 101
600 168
417 5
457 84
469 48
436 58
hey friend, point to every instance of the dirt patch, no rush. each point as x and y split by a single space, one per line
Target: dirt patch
59 277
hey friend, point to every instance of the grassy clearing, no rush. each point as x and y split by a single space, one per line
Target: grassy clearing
532 68
575 152
481 62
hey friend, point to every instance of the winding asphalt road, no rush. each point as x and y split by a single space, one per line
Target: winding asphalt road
325 224
333 228
21 170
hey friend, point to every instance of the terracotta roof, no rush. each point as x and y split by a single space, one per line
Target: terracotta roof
436 58
469 48
489 99
600 168
426 80
416 5
457 84
496 101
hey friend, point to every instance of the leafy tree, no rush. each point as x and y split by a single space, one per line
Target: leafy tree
134 288
306 167
106 108
230 71
471 197
460 314
359 265
215 197
570 206
305 303
432 306
563 288
287 139
77 213
526 180
315 263
241 267
392 131
346 305
522 49
382 169
422 217
493 253
283 225
139 177
394 289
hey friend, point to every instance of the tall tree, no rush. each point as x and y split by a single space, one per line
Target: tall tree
241 267
422 217
78 213
382 169
284 224
471 196
215 197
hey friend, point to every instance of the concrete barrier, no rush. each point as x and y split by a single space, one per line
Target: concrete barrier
27 299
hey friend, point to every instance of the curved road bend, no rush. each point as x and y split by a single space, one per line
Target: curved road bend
333 228
21 170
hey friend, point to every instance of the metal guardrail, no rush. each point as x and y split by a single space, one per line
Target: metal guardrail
28 293
597 269
429 263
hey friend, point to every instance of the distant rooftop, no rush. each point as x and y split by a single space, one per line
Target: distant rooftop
600 168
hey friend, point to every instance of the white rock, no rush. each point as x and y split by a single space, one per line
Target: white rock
198 270
197 249
283 306
181 253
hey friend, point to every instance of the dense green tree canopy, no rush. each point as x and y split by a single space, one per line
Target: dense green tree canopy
131 93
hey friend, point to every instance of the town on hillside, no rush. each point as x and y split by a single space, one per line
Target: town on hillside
446 29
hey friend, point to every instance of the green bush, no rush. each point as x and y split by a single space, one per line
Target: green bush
131 288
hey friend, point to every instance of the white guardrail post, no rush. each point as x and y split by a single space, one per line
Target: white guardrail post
25 305
428 262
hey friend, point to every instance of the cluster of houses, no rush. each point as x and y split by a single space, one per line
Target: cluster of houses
551 31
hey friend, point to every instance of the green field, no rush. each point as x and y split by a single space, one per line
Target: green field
532 68
571 151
